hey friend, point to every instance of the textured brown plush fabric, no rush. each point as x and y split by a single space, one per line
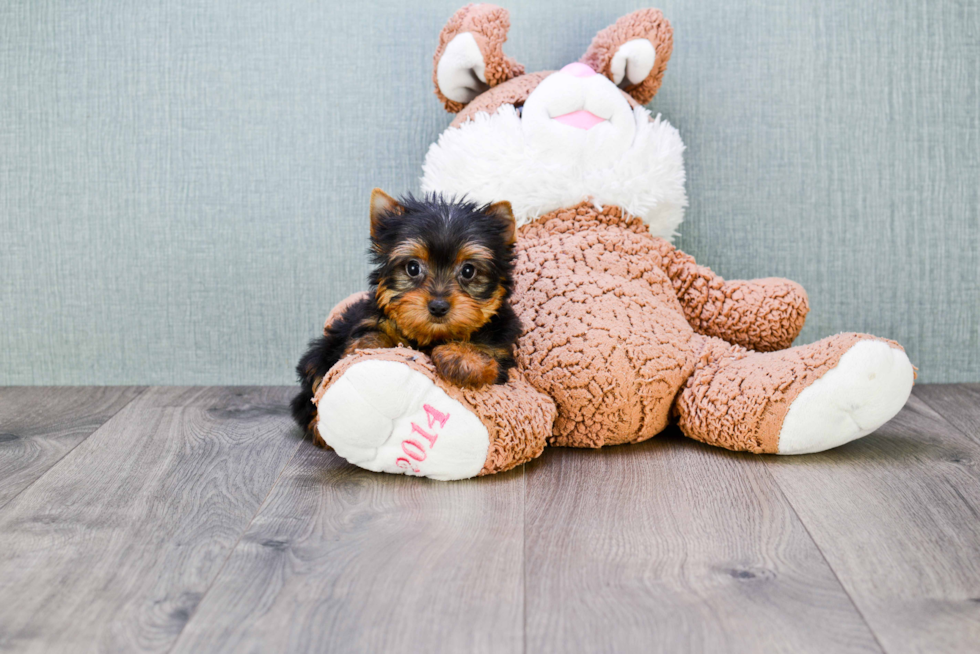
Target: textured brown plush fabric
605 336
513 92
341 307
761 314
738 399
611 317
488 24
647 24
517 417
623 333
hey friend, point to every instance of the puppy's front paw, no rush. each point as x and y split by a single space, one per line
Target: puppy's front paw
464 365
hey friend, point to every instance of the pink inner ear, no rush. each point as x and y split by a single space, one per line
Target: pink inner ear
578 70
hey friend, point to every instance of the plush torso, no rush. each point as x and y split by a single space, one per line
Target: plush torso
604 334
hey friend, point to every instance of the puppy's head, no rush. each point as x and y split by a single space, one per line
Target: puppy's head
442 267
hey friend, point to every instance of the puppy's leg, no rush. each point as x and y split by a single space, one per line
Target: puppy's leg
465 364
369 341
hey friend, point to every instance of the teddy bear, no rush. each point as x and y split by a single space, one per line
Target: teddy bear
623 334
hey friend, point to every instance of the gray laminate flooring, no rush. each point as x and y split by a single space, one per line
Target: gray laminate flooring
198 520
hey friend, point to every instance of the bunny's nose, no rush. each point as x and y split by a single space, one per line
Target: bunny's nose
578 70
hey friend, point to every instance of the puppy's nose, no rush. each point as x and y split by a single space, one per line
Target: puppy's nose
438 307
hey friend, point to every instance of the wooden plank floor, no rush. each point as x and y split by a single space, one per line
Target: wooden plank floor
197 520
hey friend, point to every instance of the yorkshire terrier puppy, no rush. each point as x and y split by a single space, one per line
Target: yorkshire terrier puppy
440 284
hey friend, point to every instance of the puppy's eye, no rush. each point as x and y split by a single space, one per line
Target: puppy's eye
467 271
520 110
413 268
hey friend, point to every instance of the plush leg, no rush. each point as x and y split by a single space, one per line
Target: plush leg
796 401
387 411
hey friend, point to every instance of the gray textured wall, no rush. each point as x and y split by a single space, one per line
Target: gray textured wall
183 186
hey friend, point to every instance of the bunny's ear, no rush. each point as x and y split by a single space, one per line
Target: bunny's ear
470 57
633 52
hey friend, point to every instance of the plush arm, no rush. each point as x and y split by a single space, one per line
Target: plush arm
760 314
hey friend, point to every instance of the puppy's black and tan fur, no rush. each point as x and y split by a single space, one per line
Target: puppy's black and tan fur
440 284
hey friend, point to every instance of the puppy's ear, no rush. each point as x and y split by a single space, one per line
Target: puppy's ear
633 53
503 212
470 58
382 205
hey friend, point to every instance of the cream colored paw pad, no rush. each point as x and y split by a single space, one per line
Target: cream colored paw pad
868 386
386 417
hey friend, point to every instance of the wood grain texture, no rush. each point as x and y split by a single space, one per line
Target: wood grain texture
344 560
958 404
194 520
897 515
39 425
672 546
112 550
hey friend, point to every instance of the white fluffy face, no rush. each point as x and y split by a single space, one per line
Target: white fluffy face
573 112
576 138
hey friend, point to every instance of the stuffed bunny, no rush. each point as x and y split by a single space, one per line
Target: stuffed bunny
622 333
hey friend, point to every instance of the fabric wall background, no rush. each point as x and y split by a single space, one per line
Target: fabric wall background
184 185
